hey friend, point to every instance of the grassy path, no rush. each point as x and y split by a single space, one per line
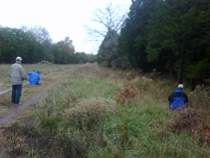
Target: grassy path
31 95
96 112
44 70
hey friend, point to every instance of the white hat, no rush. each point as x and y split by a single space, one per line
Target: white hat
19 59
180 86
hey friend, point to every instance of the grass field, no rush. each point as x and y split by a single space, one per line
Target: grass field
100 113
43 68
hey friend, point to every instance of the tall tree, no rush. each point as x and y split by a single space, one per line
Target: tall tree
40 33
63 51
107 50
179 29
43 37
80 58
69 44
15 42
132 40
106 21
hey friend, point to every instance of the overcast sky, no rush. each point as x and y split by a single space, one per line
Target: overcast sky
60 17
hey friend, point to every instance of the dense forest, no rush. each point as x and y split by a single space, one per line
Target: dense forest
35 45
167 36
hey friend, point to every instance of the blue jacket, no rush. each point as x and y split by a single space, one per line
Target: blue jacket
34 78
177 99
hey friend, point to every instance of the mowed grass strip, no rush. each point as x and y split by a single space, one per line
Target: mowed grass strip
84 117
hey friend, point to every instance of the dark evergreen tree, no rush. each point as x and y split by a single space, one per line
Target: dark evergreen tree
133 41
179 31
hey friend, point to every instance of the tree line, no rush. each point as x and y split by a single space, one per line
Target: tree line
34 45
168 36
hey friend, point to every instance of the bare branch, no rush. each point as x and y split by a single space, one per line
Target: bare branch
106 19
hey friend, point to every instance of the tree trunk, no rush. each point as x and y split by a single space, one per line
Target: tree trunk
181 67
193 84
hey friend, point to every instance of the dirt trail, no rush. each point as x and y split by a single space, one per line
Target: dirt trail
27 83
15 112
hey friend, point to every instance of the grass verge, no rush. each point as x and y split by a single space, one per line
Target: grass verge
83 117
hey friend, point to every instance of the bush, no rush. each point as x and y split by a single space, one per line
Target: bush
200 99
202 132
186 119
88 113
126 95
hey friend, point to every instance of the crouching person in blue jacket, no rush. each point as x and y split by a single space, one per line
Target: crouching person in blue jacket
34 78
178 98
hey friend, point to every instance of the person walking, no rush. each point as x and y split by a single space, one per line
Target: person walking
178 98
17 75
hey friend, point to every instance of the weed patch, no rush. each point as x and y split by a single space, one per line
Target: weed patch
202 133
82 117
88 113
126 95
200 99
186 119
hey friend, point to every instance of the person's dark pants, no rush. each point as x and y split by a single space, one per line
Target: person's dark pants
16 93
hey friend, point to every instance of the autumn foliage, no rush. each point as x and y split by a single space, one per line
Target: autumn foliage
126 95
202 132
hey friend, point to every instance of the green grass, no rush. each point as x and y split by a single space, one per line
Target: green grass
44 69
140 132
81 118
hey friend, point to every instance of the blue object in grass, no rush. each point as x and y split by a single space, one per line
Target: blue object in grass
34 78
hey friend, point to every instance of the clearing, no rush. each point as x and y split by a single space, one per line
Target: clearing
94 112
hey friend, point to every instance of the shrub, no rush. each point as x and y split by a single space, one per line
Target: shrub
187 118
88 113
141 83
126 95
82 124
202 132
200 98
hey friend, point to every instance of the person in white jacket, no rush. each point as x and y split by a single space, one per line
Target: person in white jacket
17 75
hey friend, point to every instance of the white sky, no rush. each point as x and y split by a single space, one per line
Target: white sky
60 17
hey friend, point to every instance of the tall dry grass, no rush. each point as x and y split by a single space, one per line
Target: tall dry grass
200 99
82 118
88 113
